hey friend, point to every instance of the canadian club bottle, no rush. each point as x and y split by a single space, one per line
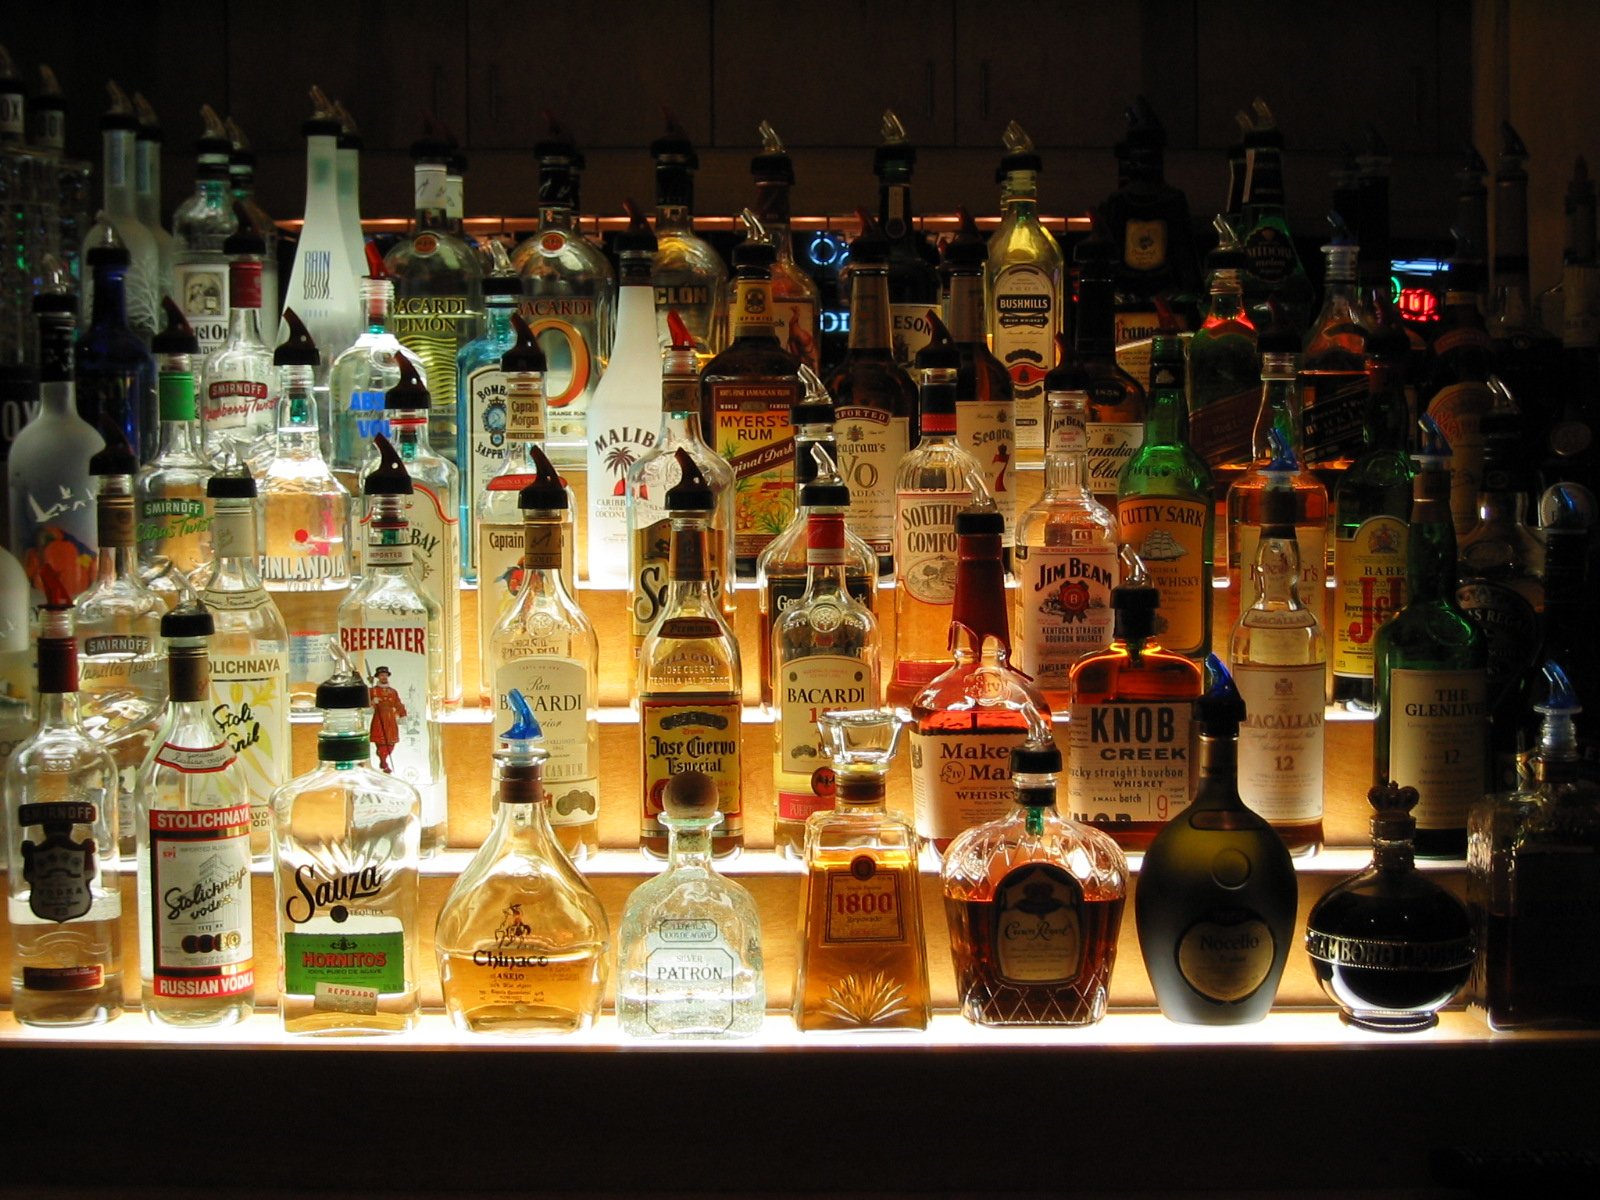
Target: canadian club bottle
913 281
1116 399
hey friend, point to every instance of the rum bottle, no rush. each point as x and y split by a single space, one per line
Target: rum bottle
913 281
688 274
795 298
174 528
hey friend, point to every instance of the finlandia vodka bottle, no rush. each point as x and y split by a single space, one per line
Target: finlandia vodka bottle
238 411
201 227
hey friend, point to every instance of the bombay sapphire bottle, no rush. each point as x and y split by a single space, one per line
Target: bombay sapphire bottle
481 395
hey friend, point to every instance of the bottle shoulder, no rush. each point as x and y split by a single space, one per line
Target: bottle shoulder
981 859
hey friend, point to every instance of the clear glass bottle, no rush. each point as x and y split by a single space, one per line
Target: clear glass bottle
1457 394
546 649
393 631
360 380
174 529
118 223
347 184
795 297
192 815
861 959
688 274
689 961
253 219
113 374
238 414
523 942
913 279
1333 369
1224 382
344 846
201 226
65 908
1034 903
17 706
1272 266
481 391
147 149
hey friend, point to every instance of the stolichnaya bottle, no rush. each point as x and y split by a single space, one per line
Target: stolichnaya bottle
861 963
1216 899
523 942
192 810
689 951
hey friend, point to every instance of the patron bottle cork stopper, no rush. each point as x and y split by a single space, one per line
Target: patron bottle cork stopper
691 796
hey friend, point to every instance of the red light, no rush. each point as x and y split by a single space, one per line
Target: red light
1419 304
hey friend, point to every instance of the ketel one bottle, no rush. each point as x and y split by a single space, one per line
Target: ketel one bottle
192 809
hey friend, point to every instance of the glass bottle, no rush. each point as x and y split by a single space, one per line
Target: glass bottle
307 514
1279 661
192 814
1129 721
254 221
1570 453
147 204
347 185
1457 394
238 414
913 279
1389 946
1022 294
17 654
1117 404
1066 551
249 649
689 961
1430 668
795 298
1272 266
523 942
1034 902
546 649
201 226
1566 527
69 178
1333 370
392 629
1215 905
344 845
861 958
138 282
689 678
1166 509
65 908
359 383
1224 366
1578 247
481 391
824 655
1527 354
113 374
688 274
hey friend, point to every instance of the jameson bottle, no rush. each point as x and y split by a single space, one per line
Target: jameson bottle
1224 367
795 299
913 282
1117 403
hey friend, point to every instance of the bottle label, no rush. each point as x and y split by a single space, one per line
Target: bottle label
984 430
1128 762
1510 627
1383 954
912 331
1312 543
1144 245
120 663
689 977
925 543
557 689
200 902
612 451
486 430
1220 427
54 529
346 972
1227 955
1026 321
1170 535
566 329
362 420
11 119
1269 255
249 695
1438 742
61 870
871 445
807 688
171 519
233 535
1369 587
1459 409
1065 595
235 404
1334 408
959 780
1280 742
196 760
433 554
685 734
750 427
1038 926
864 904
434 328
203 295
500 572
393 659
794 320
1111 445
652 553
64 979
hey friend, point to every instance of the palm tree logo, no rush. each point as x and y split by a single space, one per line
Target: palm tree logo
618 459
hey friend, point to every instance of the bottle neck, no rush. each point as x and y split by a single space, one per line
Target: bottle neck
825 553
1218 782
870 327
116 530
432 208
1263 181
1393 855
689 844
1094 334
344 742
1431 547
805 462
966 307
980 598
752 309
542 536
1280 403
118 172
895 211
861 791
233 540
189 682
498 311
689 563
1277 570
58 671
1066 455
408 429
297 414
1227 298
110 304
1168 420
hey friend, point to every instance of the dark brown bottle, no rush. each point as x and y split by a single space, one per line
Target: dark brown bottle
1117 405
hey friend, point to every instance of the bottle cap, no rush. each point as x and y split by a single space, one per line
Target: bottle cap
940 351
979 518
1277 509
120 114
524 725
1221 711
56 292
1558 736
389 477
870 247
497 284
244 240
691 493
1067 375
557 148
1020 154
825 489
967 249
546 492
345 688
324 119
691 796
410 394
1034 757
674 145
1391 817
188 620
1134 601
231 481
638 237
525 357
298 349
108 251
772 164
176 337
349 132
812 412
895 150
753 255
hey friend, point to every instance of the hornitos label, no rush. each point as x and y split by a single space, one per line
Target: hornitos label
925 543
1065 594
1128 762
1111 445
1438 729
235 404
1025 321
864 904
1227 954
1038 926
203 296
1459 410
911 331
871 445
985 430
1168 534
752 430
1369 571
557 689
689 976
959 780
1280 742
1312 543
201 933
250 701
684 733
393 659
805 689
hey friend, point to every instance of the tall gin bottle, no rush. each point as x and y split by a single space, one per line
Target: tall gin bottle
201 226
481 392
913 281
238 411
688 274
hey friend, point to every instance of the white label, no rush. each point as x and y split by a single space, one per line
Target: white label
807 688
195 760
1280 742
1111 445
557 689
249 694
1025 321
912 331
1065 596
689 977
200 902
925 543
1226 960
203 296
611 452
237 404
393 660
984 430
1438 730
959 780
1312 543
499 577
1128 762
871 445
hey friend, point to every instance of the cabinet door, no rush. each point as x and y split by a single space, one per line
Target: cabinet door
604 69
823 72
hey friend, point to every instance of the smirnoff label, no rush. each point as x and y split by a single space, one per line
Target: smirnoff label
170 519
910 331
1128 762
392 656
925 544
1025 320
1038 926
250 700
1312 543
1369 569
959 780
61 870
1438 739
984 429
805 689
1169 534
198 874
683 734
1280 742
1227 954
864 904
558 690
871 445
235 404
1111 445
1065 594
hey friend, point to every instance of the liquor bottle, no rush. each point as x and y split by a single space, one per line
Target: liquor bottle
873 397
932 483
253 219
1034 902
307 517
344 848
1066 552
481 389
360 380
1129 721
624 413
795 298
238 414
1578 247
747 396
1527 354
48 485
546 650
1166 509
1389 338
1457 394
249 649
72 176
17 654
393 631
431 514
113 373
1533 881
1567 522
1389 946
824 655
1117 404
1569 453
688 274
138 282
987 416
569 294
523 942
1217 892
200 227
1333 371
1224 366
347 184
967 719
1272 266
913 281
1430 669
1468 263
174 529
147 192
652 476
689 679
861 961
1279 661
689 952
192 813
61 847
438 290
